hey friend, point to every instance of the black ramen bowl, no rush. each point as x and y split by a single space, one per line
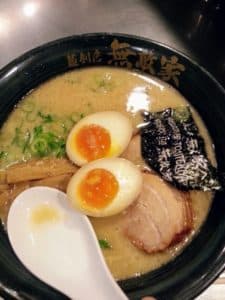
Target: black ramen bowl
204 258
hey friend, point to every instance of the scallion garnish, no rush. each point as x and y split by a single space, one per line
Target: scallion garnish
47 118
104 244
3 154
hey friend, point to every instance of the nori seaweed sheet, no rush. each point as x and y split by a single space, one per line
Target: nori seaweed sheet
172 146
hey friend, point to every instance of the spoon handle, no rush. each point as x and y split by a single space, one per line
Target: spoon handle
99 293
98 283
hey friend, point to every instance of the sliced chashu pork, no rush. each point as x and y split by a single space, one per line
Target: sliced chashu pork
133 153
160 217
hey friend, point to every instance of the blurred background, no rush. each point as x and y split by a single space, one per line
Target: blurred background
195 27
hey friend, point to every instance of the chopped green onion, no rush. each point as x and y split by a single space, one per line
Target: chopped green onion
39 147
38 130
27 141
3 154
46 118
104 244
21 139
16 139
181 114
46 139
76 116
103 84
46 143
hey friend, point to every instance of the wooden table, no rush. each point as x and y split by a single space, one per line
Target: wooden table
190 26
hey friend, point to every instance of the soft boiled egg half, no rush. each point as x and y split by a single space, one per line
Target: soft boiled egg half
104 187
99 135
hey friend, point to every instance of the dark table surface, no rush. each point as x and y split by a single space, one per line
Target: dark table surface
194 27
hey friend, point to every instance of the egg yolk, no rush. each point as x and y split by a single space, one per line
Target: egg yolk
98 188
93 142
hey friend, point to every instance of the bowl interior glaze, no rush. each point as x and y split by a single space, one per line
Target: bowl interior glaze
202 261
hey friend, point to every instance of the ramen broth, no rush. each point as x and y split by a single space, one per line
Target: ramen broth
69 97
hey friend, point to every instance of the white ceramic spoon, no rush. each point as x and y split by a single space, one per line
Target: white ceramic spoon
59 246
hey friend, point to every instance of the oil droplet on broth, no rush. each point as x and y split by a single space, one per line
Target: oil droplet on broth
43 214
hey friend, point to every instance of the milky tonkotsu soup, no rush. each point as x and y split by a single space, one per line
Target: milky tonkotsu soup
49 112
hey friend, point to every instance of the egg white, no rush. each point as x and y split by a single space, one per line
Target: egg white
118 126
128 177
